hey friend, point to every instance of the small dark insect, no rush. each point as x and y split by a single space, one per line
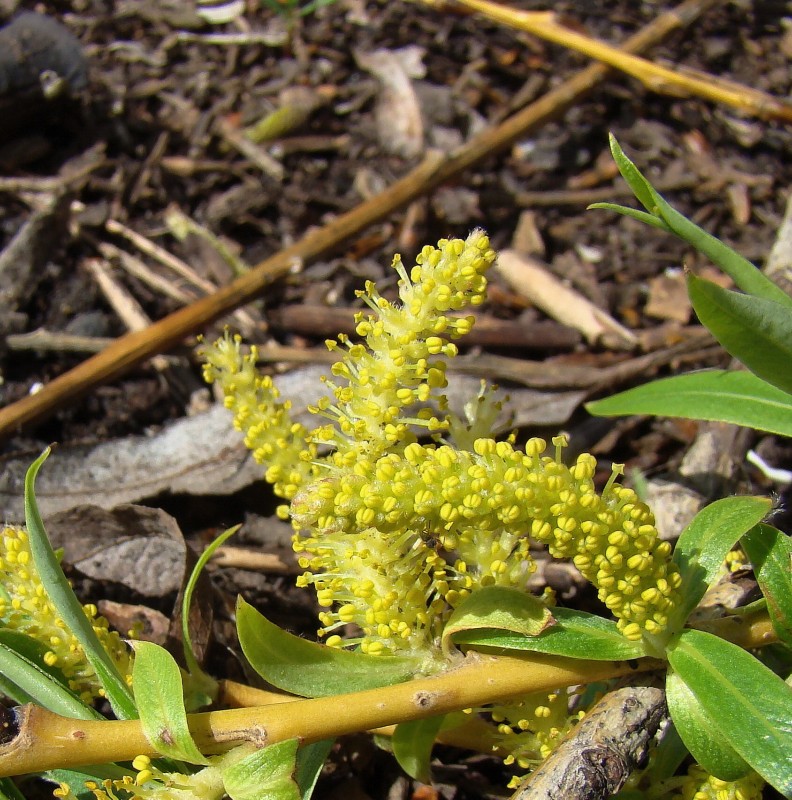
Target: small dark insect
37 51
430 540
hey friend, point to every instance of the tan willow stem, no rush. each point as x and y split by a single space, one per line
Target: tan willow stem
48 741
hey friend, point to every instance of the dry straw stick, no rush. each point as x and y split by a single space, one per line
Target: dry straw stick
656 78
134 348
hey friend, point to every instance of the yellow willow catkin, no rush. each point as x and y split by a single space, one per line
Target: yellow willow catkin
482 507
393 534
26 607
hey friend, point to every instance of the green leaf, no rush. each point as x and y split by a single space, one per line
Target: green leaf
756 331
75 778
744 274
26 679
412 745
498 608
310 760
700 733
160 701
633 213
266 774
750 705
309 669
704 544
202 683
720 395
9 790
31 649
642 189
576 634
668 755
770 552
67 604
13 692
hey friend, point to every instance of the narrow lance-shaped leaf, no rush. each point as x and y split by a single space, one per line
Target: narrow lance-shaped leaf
202 683
633 213
717 395
744 274
67 604
750 705
309 669
27 681
701 735
576 634
754 330
770 552
704 544
642 189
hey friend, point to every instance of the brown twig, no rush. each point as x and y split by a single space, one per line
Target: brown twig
123 303
42 340
176 265
324 321
136 267
246 558
258 155
558 375
160 254
533 280
135 348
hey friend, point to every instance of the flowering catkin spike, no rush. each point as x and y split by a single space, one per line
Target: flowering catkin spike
276 440
406 347
26 607
699 784
393 534
482 506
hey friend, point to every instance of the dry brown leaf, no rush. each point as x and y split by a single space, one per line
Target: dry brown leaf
668 297
398 112
197 455
148 624
138 547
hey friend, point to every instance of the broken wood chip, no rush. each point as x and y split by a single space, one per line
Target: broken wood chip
533 280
